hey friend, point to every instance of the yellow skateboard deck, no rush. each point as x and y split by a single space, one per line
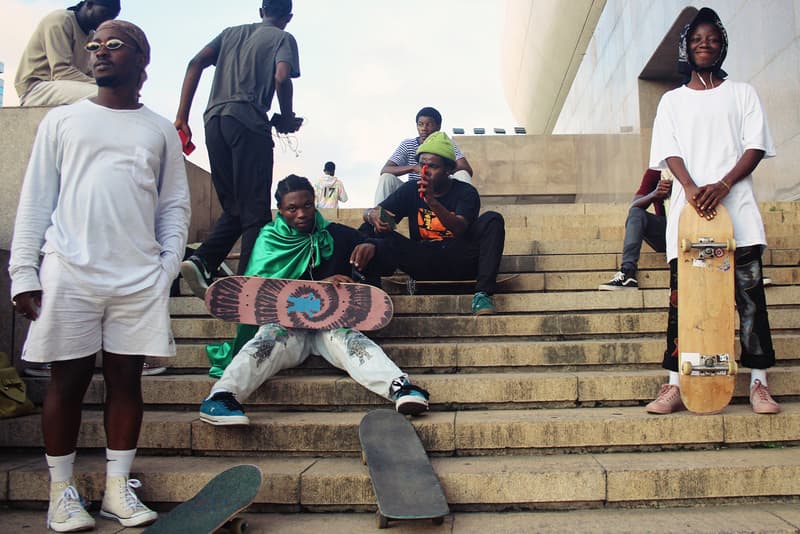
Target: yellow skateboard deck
706 359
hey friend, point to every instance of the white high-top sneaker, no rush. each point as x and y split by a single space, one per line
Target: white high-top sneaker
66 513
121 503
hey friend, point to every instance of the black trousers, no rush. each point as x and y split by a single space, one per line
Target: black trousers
754 331
476 255
241 170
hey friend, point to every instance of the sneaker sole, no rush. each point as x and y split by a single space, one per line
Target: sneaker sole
56 527
230 420
615 288
194 278
150 371
411 407
485 311
147 518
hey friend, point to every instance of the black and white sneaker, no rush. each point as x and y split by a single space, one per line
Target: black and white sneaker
196 274
620 281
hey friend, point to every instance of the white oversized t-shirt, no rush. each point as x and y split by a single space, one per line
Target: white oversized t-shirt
710 130
106 191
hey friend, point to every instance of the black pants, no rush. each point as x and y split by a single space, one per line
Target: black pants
754 332
476 255
241 170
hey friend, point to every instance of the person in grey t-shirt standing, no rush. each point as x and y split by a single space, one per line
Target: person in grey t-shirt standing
253 62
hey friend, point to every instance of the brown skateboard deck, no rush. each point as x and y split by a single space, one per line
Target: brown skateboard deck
215 507
706 360
298 303
412 286
405 485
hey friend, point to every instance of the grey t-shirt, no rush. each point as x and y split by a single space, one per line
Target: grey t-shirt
244 80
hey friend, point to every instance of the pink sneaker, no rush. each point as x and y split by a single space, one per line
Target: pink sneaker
761 400
668 401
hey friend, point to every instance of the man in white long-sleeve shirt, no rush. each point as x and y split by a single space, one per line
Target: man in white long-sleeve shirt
105 201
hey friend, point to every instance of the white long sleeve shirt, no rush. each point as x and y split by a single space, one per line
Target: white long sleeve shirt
106 191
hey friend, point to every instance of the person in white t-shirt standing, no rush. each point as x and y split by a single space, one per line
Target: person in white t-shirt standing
329 190
106 200
712 133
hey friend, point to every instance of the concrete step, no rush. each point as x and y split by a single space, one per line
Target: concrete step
473 391
631 323
708 519
451 433
472 356
559 481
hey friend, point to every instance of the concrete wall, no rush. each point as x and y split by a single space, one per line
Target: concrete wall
555 168
607 96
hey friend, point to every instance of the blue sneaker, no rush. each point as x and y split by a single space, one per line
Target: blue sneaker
409 399
482 304
223 409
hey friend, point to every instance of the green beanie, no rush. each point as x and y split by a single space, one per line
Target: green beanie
438 143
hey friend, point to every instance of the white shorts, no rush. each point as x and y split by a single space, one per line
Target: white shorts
75 323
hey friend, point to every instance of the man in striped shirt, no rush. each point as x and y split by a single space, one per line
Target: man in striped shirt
404 159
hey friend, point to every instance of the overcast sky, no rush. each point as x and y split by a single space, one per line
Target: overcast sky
367 67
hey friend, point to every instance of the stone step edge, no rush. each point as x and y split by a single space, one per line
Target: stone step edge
674 477
448 433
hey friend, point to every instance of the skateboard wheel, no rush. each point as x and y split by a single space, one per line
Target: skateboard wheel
438 521
731 244
733 368
383 521
686 245
686 368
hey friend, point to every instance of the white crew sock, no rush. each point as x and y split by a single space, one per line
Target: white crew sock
673 378
758 374
60 467
119 462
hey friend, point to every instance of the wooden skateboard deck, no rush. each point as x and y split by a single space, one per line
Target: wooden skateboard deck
215 506
299 303
412 286
405 485
706 359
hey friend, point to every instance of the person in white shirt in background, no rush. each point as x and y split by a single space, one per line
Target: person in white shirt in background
329 190
106 201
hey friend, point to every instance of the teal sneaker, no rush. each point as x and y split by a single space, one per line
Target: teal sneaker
223 409
482 304
408 398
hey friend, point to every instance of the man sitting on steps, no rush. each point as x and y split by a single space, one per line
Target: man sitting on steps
449 241
301 244
642 225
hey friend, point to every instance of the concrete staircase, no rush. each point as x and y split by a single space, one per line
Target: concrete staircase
538 408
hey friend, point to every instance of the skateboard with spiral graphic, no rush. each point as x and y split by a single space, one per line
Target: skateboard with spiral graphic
299 303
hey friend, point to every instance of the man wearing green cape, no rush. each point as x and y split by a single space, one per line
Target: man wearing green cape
301 244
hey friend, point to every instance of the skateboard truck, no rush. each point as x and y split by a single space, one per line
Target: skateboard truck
694 363
709 247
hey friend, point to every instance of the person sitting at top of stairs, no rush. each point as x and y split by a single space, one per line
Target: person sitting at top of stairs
301 244
404 159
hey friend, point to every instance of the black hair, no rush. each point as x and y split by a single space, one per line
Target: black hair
290 184
76 7
329 167
276 8
430 112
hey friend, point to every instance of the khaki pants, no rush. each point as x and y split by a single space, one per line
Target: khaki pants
57 93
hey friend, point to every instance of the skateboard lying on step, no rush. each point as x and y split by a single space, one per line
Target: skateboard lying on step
405 485
215 507
706 340
299 303
403 282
